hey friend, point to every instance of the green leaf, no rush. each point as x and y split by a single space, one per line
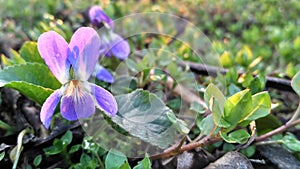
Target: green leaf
90 146
197 107
116 160
36 93
206 125
266 124
144 63
237 107
144 115
37 160
247 79
67 137
15 59
124 84
291 69
296 83
291 142
244 56
87 162
232 75
249 151
218 118
174 104
227 147
5 61
145 75
32 79
213 91
179 124
164 60
29 167
144 164
52 150
85 159
239 136
261 106
216 100
34 73
30 53
233 89
158 75
74 148
59 145
2 154
173 69
257 84
132 65
226 60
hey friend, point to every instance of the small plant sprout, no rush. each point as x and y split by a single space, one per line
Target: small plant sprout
72 64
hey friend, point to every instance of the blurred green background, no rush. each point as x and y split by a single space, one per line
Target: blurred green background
264 32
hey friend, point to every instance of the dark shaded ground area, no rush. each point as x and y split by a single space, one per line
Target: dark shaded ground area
20 112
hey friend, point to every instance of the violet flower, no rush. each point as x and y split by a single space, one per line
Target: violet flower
112 43
98 17
103 74
72 64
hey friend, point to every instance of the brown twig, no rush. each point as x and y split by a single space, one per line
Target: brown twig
207 140
271 82
278 130
293 122
174 151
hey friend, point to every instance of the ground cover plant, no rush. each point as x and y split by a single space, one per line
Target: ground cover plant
149 84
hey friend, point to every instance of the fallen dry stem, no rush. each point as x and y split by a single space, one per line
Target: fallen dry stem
293 122
174 150
278 130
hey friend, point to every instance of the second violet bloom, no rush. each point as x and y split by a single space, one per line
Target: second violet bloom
112 43
72 64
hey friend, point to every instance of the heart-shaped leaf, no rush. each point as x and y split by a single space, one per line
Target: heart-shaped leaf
144 115
31 79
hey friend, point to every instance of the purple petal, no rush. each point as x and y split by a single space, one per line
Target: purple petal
105 99
53 49
84 52
97 15
93 15
84 105
119 47
48 108
76 106
108 54
104 75
67 108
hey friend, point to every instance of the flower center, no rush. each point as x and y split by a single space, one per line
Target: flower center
74 87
